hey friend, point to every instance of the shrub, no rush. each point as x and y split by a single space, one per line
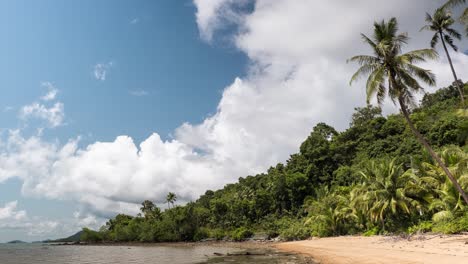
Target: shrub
200 234
457 225
296 231
89 235
241 234
422 227
217 234
371 232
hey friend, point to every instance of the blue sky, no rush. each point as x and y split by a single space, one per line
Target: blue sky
108 103
162 73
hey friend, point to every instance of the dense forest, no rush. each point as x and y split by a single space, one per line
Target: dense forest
403 173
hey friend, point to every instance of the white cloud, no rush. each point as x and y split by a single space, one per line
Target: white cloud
138 92
101 69
44 228
215 14
54 114
9 212
298 77
52 91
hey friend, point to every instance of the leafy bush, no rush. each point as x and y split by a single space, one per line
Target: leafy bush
89 235
241 234
217 234
372 232
200 234
297 231
457 225
422 227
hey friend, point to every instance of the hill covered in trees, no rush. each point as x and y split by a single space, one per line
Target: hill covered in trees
372 178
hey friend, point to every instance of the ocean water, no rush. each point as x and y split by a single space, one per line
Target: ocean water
48 254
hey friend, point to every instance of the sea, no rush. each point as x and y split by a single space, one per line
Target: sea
36 253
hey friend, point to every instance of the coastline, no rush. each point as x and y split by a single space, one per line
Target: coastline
260 249
430 248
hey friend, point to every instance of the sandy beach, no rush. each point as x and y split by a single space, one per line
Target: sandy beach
438 249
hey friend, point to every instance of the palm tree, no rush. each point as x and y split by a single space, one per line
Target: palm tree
146 206
171 198
388 64
441 24
383 191
446 200
464 16
331 209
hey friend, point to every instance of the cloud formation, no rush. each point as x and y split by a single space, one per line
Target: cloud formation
42 228
54 114
51 93
9 212
298 76
101 70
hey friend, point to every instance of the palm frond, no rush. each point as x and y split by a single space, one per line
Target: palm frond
453 3
364 59
453 33
375 83
449 41
434 40
363 71
424 75
421 55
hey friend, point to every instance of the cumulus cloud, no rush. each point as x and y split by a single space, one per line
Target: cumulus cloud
101 70
298 77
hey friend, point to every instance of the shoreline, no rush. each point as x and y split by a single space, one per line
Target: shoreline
426 248
429 248
246 248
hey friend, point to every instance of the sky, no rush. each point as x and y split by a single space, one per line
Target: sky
107 103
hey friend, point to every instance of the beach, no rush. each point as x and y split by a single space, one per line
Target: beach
434 248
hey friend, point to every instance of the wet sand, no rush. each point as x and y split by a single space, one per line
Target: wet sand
438 249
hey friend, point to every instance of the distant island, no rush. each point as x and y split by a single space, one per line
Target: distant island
73 238
16 242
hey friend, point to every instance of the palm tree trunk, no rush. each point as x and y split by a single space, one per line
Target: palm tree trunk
460 88
430 150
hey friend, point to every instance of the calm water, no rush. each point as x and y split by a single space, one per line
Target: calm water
41 254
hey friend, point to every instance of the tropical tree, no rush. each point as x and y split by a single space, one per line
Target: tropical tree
441 24
446 200
150 210
171 198
464 16
394 73
383 191
332 210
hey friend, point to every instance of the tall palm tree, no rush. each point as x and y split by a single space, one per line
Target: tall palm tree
171 198
441 24
392 72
